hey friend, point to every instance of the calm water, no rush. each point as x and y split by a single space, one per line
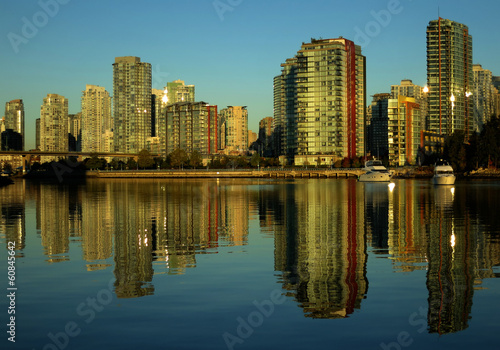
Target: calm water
252 264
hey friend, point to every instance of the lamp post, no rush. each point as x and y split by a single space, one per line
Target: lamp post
467 95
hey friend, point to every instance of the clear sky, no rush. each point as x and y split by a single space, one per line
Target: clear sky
229 49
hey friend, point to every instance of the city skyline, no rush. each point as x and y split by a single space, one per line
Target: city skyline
224 61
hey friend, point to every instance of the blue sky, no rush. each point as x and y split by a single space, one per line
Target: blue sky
229 49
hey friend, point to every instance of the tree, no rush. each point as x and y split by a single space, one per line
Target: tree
178 158
145 159
95 163
318 162
131 164
255 160
346 163
195 159
454 150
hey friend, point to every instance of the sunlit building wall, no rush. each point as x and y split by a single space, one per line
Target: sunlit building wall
96 118
483 95
409 89
403 131
449 77
177 91
234 122
321 99
132 104
190 126
54 124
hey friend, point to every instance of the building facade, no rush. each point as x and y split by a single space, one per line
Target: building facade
14 120
419 93
190 126
377 126
96 118
320 100
449 77
403 132
177 91
75 132
132 104
484 96
54 123
233 122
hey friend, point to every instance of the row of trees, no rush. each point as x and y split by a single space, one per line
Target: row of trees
478 151
179 159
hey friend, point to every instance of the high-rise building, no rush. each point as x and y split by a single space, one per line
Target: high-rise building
252 137
96 118
14 119
190 126
177 91
320 98
409 89
158 103
54 123
75 132
449 77
483 94
403 132
233 122
377 126
132 104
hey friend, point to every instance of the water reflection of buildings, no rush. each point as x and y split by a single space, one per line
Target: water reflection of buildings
320 247
430 227
12 215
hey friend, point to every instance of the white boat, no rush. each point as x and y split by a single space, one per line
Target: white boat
375 172
443 174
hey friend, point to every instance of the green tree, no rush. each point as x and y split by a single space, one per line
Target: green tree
178 158
195 159
255 160
131 164
454 150
145 159
95 162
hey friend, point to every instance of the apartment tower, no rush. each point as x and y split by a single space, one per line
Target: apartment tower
96 118
233 122
320 99
54 124
14 120
449 77
132 104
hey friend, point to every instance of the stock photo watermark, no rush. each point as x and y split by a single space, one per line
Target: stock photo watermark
11 291
381 19
223 6
404 338
246 326
32 24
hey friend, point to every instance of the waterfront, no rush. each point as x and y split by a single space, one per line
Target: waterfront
253 263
